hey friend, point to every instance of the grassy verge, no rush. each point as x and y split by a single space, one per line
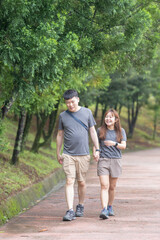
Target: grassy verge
31 168
143 133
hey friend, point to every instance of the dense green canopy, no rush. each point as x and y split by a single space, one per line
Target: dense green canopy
42 42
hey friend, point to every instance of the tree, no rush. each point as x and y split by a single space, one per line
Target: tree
95 81
114 95
18 141
27 125
137 93
154 99
32 41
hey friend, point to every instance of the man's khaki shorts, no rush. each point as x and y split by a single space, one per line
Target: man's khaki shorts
76 166
107 166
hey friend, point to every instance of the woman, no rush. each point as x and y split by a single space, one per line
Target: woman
112 139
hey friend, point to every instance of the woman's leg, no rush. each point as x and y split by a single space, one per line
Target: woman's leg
104 181
112 186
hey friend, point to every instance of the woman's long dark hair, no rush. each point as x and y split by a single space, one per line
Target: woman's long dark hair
117 126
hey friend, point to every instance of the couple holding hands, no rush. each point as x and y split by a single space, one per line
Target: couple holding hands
75 125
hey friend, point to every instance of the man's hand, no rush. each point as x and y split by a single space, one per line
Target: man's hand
60 159
60 136
96 156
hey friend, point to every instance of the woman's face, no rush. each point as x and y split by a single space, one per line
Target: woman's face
110 120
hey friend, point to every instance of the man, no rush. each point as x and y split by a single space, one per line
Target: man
75 157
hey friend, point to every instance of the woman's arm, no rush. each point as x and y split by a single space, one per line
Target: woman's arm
121 145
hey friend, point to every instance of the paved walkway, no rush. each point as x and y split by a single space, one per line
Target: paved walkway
137 208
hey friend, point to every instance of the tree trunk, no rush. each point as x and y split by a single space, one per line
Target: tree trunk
119 109
155 124
7 105
18 141
52 121
103 112
132 118
26 130
96 108
115 106
40 127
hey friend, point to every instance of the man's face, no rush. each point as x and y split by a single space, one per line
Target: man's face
72 104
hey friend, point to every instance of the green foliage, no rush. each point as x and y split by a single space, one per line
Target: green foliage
33 47
125 89
45 41
138 89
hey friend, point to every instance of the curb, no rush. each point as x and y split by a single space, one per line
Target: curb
30 196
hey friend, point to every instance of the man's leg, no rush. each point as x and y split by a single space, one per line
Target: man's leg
82 165
70 214
81 197
81 191
70 192
69 169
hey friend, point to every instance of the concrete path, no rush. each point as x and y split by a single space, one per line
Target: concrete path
137 208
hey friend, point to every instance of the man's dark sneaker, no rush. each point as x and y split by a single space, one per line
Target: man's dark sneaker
104 214
110 211
70 215
79 210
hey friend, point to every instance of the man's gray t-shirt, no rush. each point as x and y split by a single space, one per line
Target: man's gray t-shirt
76 140
110 151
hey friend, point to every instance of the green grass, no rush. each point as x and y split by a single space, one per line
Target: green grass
143 133
31 167
39 163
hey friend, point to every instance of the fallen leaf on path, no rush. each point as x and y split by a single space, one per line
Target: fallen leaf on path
43 230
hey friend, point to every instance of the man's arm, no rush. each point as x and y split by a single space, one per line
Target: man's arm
60 137
95 141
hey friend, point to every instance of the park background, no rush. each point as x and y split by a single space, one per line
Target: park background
107 50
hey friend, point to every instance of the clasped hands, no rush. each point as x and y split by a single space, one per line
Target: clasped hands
96 156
